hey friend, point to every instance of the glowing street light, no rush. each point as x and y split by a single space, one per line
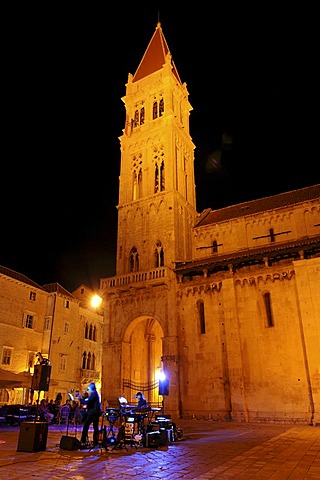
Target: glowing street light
96 301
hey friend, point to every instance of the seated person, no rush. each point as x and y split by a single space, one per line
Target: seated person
142 402
45 415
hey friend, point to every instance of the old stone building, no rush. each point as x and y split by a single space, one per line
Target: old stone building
226 302
49 320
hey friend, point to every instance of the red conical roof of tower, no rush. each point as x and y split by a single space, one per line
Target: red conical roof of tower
155 56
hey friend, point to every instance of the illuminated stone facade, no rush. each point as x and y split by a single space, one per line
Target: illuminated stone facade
226 302
52 321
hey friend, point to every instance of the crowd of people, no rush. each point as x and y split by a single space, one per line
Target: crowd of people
49 411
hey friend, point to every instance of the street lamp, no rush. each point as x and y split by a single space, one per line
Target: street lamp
96 301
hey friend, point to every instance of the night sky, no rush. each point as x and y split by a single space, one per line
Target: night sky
253 83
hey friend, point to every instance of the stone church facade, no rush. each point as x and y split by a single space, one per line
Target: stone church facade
226 303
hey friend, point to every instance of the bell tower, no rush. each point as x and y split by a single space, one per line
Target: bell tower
157 201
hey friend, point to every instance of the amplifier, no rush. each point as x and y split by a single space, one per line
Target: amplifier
69 443
153 427
32 437
156 439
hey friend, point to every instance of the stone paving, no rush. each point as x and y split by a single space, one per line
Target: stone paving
209 450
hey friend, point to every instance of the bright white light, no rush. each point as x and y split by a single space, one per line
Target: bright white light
162 376
96 301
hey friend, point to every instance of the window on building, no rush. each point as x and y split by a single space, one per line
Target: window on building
90 332
93 362
214 246
159 255
159 184
47 323
161 107
272 235
142 116
134 260
268 307
63 362
89 361
137 183
155 110
33 296
86 330
136 118
29 321
66 328
94 334
82 291
202 321
84 360
6 356
67 303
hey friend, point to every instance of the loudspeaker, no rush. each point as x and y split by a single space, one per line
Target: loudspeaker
41 377
69 443
156 439
33 437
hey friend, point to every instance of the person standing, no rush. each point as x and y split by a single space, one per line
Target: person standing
93 409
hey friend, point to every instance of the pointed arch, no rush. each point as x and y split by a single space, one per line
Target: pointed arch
159 255
134 260
84 360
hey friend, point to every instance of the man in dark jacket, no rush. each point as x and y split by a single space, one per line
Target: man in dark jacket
93 410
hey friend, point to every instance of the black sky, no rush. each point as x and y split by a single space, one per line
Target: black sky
253 85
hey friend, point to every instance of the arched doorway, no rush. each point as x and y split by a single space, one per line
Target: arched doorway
141 358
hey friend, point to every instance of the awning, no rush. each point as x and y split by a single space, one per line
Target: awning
14 380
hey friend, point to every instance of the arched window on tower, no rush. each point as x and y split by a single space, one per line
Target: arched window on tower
159 255
134 260
136 176
156 180
137 184
159 183
94 335
155 110
161 107
136 118
162 183
86 330
90 332
142 116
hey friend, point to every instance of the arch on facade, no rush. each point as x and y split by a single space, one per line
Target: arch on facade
141 354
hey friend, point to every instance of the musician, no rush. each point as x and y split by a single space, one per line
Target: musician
93 404
142 402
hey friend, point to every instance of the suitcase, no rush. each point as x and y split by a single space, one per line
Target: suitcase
69 443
